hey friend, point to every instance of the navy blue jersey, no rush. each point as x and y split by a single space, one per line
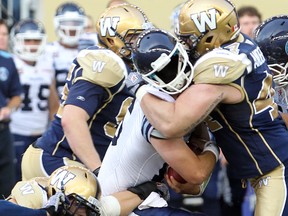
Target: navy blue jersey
9 80
96 84
251 134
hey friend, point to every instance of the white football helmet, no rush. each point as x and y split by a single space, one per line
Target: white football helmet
162 61
69 22
25 30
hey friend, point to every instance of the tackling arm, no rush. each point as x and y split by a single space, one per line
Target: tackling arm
191 108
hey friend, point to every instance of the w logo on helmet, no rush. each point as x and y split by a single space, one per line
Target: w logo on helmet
204 20
109 25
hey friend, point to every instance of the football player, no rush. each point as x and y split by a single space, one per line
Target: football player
70 190
272 36
233 92
138 152
39 100
94 100
69 23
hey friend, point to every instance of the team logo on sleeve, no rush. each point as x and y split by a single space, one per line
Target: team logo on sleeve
202 19
108 25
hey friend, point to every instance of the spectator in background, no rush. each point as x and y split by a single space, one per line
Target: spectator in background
10 90
249 19
4 35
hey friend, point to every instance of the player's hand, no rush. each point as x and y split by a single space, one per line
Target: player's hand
134 82
183 188
145 189
55 204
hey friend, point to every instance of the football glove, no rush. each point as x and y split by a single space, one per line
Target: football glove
143 190
56 204
134 82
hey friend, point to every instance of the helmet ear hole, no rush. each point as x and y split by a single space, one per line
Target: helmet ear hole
209 39
110 41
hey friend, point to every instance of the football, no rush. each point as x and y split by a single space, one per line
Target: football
176 176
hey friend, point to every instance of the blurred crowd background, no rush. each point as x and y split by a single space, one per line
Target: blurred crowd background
158 11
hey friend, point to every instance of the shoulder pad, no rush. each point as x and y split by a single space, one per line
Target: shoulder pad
221 66
29 194
102 67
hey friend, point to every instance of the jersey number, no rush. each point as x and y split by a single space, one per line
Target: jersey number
42 104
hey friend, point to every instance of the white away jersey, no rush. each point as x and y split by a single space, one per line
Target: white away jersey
33 114
130 159
62 60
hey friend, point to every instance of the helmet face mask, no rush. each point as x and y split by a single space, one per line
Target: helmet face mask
29 39
80 206
206 25
69 23
272 38
162 61
118 25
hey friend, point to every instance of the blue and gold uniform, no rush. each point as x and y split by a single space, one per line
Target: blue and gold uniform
248 124
96 84
251 133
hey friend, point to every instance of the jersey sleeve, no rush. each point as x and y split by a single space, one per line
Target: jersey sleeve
29 194
8 208
149 131
102 67
221 66
86 95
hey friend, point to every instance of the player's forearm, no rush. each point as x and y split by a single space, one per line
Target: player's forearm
160 114
128 201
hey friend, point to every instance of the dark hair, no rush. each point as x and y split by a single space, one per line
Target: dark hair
3 22
250 11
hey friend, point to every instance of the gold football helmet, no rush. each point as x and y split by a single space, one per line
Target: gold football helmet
79 184
117 24
205 24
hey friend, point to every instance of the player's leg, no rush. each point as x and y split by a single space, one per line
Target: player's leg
271 193
37 163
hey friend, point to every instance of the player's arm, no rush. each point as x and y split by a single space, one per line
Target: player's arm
193 168
197 101
74 123
191 108
53 101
